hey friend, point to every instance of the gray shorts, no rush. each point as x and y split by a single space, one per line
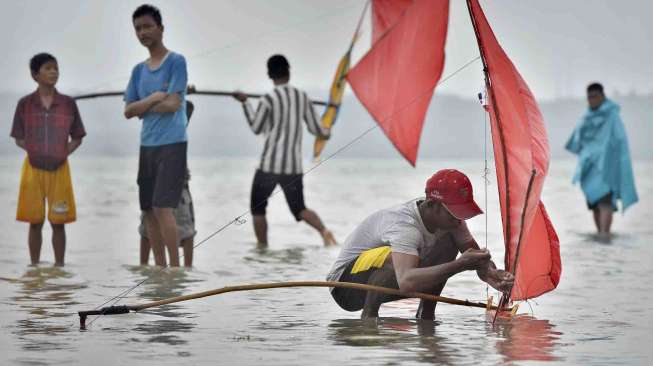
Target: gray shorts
184 215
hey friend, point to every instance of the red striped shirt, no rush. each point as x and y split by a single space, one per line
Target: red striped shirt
46 131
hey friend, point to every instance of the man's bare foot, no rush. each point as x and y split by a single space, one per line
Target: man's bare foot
328 238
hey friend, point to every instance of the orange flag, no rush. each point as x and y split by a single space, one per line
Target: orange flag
396 78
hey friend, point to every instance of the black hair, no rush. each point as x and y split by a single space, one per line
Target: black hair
278 67
39 60
147 9
595 87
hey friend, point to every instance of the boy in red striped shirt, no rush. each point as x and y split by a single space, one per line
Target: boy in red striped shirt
47 125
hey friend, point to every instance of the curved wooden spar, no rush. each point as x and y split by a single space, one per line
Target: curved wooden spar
191 90
112 310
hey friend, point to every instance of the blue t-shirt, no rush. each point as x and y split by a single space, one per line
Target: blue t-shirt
170 77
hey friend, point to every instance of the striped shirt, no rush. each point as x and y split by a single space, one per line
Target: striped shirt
278 117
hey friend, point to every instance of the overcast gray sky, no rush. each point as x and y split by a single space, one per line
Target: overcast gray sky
559 46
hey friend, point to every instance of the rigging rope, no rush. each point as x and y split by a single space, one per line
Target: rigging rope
486 172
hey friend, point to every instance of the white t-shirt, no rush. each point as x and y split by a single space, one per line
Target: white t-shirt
400 227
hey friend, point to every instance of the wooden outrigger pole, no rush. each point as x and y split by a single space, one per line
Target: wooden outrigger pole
191 90
124 309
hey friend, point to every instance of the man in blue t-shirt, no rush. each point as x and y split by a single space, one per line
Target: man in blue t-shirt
156 94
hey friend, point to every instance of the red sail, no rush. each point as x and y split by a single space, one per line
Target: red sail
385 14
521 151
396 78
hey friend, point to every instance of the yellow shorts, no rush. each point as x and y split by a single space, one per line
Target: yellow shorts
36 185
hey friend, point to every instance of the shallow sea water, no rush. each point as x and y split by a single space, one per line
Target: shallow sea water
601 314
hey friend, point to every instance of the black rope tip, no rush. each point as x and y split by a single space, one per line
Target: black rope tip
109 310
82 322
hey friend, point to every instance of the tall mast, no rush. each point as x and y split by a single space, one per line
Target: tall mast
495 110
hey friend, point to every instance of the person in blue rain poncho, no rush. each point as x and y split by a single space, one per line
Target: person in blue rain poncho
604 167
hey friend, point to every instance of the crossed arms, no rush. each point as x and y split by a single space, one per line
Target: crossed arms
157 102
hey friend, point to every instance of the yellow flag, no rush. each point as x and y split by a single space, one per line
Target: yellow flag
335 98
338 88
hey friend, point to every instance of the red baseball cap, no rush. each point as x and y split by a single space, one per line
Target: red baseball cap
454 190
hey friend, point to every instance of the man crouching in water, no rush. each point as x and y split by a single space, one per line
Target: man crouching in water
413 247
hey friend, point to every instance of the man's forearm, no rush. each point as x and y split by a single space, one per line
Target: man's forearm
170 104
139 108
425 278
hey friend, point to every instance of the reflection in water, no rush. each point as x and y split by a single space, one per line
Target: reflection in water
379 332
611 239
163 331
397 334
163 284
293 256
525 338
45 294
522 338
597 238
45 290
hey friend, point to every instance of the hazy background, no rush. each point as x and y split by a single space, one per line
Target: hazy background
558 46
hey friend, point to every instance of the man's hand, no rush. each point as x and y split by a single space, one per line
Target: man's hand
73 144
21 143
327 135
240 96
474 259
499 279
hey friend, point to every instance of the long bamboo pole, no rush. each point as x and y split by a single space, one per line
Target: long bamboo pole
190 91
350 285
111 310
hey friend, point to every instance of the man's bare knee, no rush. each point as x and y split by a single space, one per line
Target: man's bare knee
148 214
443 251
164 215
158 211
382 277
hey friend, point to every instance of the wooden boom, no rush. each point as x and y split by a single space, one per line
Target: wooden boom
124 309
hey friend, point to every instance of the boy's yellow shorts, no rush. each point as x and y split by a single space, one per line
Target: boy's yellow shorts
36 185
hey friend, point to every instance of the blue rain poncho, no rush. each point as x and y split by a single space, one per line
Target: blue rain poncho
604 164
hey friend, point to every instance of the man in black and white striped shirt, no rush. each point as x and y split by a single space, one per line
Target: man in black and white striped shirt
279 117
